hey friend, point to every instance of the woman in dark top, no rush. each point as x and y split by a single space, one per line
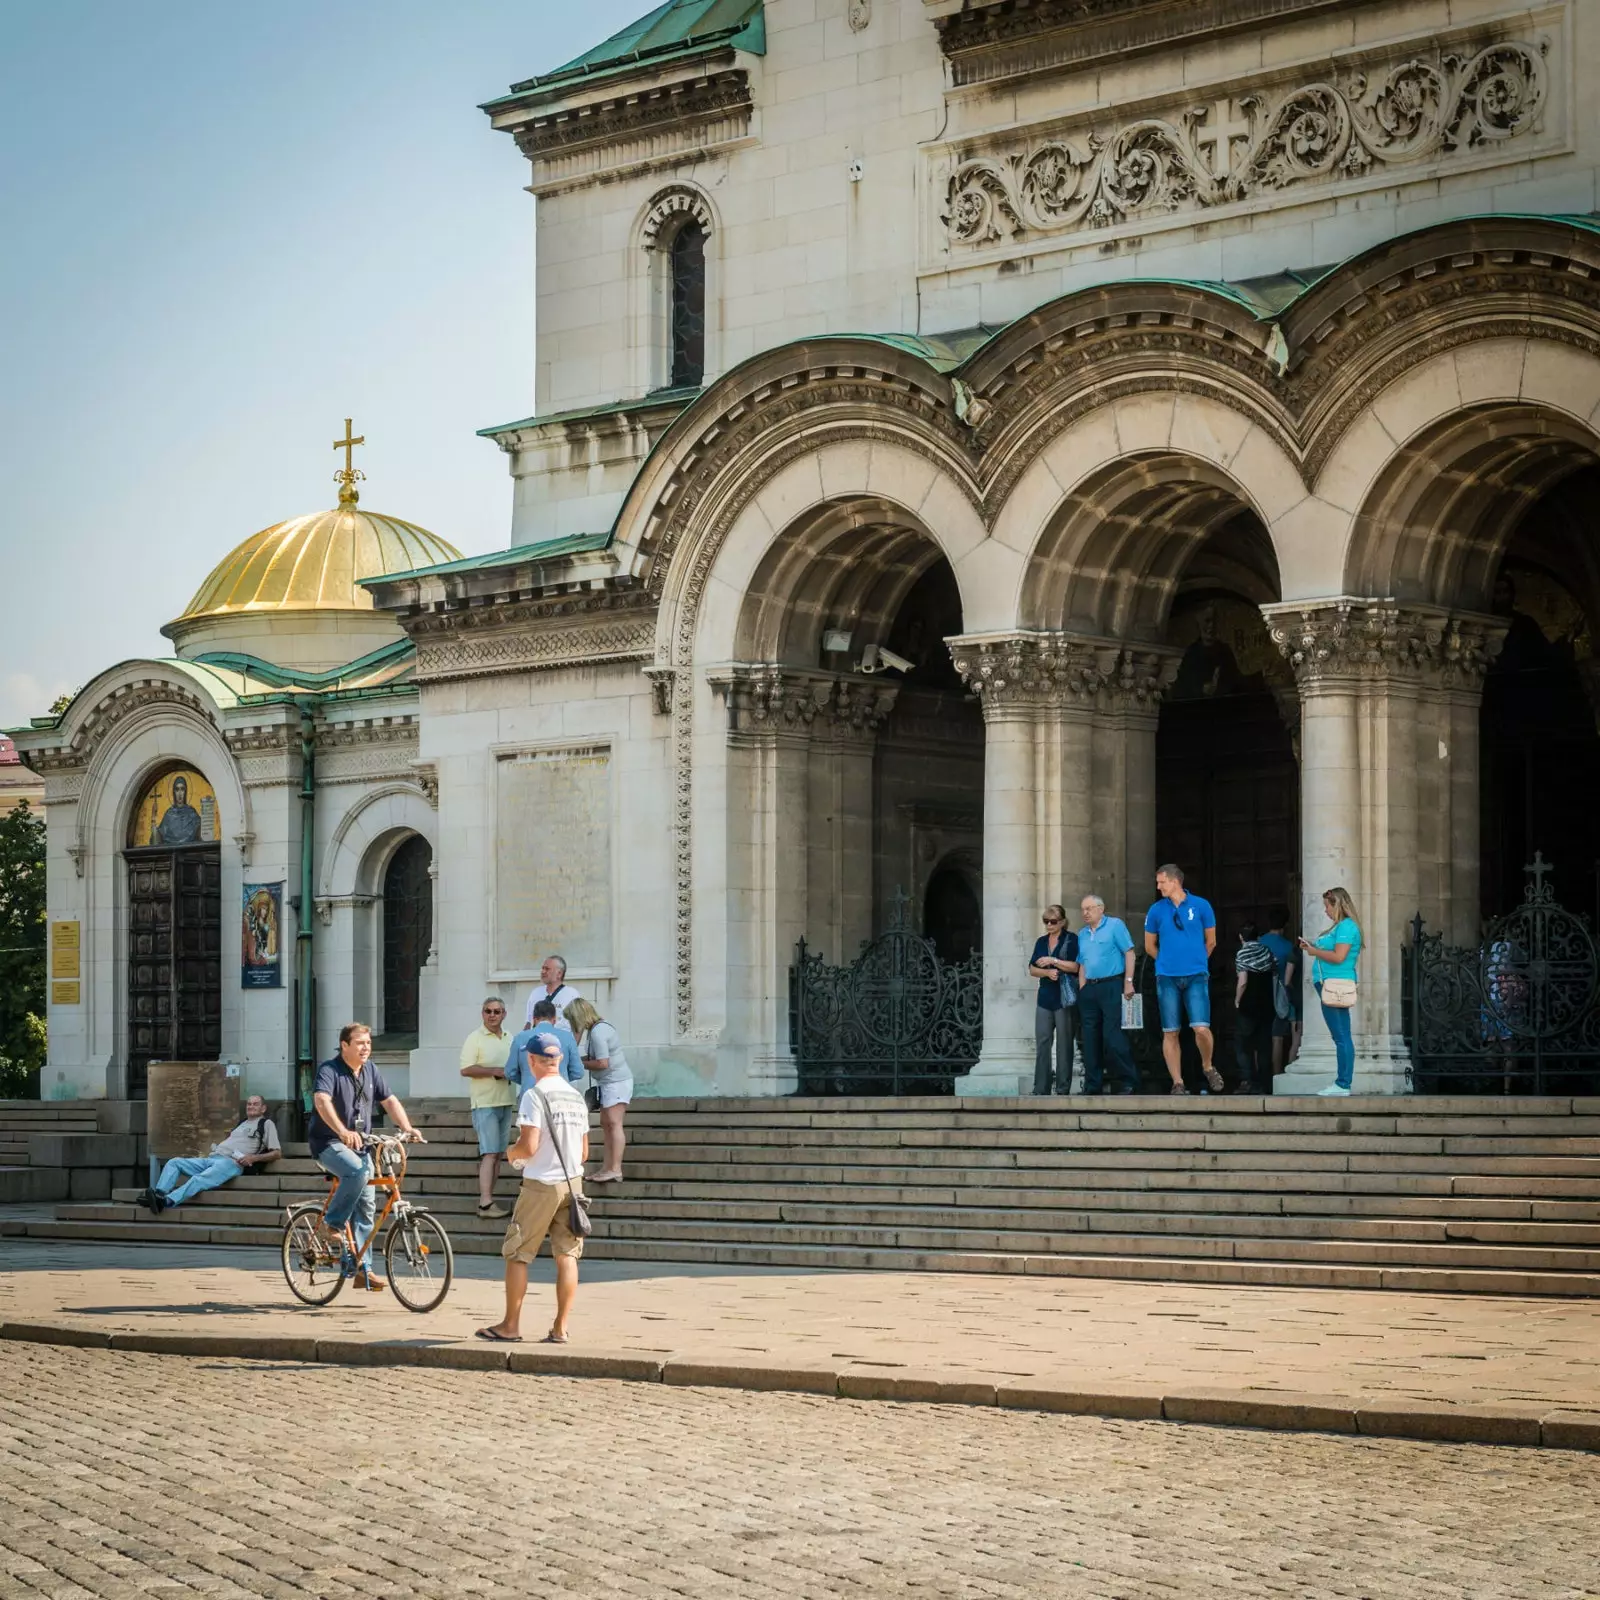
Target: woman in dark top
1055 964
1252 1000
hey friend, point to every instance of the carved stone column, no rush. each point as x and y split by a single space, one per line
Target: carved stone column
795 737
1068 798
1389 796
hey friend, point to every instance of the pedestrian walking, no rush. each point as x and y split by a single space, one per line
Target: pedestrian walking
1286 1006
552 986
552 1146
613 1081
253 1143
1254 1015
484 1054
1333 974
1054 963
1180 932
1105 979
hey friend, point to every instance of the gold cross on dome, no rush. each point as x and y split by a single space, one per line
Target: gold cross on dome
348 444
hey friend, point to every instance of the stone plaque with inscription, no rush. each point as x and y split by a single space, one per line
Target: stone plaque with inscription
553 858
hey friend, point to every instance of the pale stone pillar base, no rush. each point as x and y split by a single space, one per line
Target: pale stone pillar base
998 1072
770 1075
1380 1067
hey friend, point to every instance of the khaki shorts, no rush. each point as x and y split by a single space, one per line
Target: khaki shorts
541 1208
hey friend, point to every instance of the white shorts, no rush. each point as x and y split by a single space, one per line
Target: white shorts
616 1091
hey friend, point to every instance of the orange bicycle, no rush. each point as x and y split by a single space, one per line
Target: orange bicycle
416 1250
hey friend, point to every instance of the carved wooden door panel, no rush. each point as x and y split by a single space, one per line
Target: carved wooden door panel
174 960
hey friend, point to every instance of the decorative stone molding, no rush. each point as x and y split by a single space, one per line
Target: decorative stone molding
572 631
253 740
428 777
669 209
1348 638
767 699
333 736
113 710
78 854
326 905
660 681
1379 119
245 843
1023 673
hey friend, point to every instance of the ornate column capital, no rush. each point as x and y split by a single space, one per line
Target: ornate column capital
1029 673
1349 640
767 700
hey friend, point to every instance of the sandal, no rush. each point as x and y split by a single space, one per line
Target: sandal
1214 1081
554 1338
1178 1088
498 1338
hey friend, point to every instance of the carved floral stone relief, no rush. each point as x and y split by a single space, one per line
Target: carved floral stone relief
1428 106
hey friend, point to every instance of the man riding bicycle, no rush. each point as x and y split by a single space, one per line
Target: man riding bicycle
343 1096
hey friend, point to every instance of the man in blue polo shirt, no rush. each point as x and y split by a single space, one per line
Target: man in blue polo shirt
1105 976
342 1098
1180 931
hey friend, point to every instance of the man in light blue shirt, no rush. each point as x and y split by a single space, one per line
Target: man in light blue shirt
519 1073
1105 975
1180 931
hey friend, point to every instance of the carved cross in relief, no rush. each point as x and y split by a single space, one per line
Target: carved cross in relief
1217 135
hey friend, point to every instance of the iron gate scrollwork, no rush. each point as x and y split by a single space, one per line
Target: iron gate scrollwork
1515 1015
897 1020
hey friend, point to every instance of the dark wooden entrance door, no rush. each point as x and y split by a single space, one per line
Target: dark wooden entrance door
1228 813
174 959
407 936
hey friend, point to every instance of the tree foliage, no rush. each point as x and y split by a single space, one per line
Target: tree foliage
22 948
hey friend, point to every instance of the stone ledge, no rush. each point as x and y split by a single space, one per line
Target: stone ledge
1550 1428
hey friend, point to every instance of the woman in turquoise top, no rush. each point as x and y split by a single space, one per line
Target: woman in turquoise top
1335 951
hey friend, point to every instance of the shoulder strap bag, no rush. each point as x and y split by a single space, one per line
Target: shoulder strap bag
1340 993
577 1213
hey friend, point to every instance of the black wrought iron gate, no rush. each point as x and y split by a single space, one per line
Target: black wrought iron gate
897 1020
1518 1014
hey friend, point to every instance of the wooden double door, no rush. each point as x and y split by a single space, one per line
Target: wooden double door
174 959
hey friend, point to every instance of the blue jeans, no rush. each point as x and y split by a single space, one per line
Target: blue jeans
354 1197
1344 1044
1190 993
1100 1007
203 1172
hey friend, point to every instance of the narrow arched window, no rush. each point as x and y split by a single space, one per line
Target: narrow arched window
688 306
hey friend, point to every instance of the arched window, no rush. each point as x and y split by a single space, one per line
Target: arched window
688 257
407 934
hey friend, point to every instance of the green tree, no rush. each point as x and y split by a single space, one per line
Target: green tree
22 950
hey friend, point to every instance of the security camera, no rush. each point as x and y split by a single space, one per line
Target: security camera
877 658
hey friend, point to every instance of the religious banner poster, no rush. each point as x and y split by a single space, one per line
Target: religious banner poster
261 953
178 808
553 858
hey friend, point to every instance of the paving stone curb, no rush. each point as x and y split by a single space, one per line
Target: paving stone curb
1549 1428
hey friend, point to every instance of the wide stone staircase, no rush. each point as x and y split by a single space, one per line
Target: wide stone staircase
1493 1196
56 1149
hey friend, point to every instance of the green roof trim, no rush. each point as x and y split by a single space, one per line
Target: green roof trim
289 678
609 408
672 31
568 544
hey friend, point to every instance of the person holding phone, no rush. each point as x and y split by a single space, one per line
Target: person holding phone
1334 953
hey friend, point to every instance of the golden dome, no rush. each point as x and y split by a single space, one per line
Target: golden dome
313 563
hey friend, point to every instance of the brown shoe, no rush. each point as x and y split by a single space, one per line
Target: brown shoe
367 1279
494 1211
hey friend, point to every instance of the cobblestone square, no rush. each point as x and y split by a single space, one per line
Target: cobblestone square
135 1475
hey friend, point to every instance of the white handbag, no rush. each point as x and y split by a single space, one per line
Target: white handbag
1340 993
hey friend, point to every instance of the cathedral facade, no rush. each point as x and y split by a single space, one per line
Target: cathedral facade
980 451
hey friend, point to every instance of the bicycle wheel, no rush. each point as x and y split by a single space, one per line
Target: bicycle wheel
311 1276
420 1261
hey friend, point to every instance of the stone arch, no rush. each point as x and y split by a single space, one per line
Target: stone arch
368 832
660 222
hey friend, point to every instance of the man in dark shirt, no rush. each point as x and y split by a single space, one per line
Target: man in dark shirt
343 1097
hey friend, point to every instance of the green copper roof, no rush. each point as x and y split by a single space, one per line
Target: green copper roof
678 28
610 408
568 544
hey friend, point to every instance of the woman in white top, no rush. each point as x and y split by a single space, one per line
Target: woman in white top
602 1055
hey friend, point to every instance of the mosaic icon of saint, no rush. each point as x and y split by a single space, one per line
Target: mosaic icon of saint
180 823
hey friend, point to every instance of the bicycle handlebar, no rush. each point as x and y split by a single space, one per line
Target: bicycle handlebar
377 1141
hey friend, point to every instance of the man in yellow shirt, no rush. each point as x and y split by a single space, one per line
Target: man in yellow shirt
494 1101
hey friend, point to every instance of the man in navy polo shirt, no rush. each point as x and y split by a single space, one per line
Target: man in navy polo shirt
343 1097
1180 931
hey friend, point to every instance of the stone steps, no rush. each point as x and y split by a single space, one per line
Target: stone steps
1464 1196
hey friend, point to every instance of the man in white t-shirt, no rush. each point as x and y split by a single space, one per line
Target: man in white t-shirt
552 1146
554 988
253 1143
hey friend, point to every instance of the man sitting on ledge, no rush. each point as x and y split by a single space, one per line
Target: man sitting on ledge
252 1144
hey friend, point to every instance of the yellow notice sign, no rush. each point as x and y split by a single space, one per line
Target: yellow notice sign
65 954
64 994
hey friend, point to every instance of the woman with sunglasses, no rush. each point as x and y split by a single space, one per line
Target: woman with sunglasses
1055 964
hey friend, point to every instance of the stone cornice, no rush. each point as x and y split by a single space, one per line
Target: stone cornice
766 699
583 629
1027 673
1351 640
990 42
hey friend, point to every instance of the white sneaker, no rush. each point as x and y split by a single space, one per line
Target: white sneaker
1332 1088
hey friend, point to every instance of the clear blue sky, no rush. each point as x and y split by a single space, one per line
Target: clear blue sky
226 229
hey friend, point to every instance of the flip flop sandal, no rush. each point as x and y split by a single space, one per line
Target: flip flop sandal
554 1338
498 1338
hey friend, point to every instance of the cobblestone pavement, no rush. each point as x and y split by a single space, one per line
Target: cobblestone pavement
136 1475
1459 1349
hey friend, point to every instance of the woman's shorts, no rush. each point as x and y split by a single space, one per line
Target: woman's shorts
492 1124
616 1092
